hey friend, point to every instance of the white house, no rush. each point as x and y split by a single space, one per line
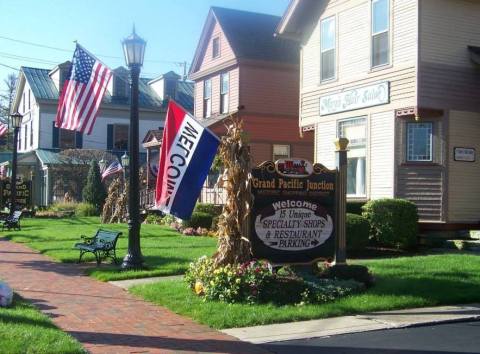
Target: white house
40 141
401 80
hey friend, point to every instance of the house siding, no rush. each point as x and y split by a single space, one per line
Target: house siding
353 57
448 78
270 90
381 155
226 52
463 186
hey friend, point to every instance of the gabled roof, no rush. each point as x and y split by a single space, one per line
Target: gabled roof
184 94
250 35
40 82
43 88
297 15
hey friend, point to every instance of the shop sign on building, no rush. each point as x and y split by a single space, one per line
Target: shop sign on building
24 191
356 98
293 211
464 154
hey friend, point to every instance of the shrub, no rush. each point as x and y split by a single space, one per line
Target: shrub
198 219
86 209
215 220
94 191
358 233
63 207
255 282
211 209
355 207
393 222
230 283
358 273
153 219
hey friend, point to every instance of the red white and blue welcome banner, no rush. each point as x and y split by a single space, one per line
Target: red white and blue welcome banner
187 152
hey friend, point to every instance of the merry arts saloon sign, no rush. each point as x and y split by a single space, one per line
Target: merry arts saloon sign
293 211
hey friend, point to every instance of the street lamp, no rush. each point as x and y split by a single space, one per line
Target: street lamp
16 123
125 163
102 164
134 50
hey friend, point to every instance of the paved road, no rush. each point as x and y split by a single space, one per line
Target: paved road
450 338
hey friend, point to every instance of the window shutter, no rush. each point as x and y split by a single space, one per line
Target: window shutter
78 140
55 137
110 137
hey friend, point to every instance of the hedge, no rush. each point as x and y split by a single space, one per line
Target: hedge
208 208
355 207
393 222
199 219
358 233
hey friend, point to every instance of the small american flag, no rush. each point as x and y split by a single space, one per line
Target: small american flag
3 129
82 92
114 167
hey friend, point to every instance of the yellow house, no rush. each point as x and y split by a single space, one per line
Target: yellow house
401 80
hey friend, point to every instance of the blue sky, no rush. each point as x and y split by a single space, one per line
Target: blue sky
171 27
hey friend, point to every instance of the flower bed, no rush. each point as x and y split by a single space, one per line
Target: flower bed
256 282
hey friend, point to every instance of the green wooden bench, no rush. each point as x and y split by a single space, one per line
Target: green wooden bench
102 245
12 221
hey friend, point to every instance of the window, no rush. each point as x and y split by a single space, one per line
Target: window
281 152
207 98
31 132
224 90
355 131
327 60
66 139
120 137
29 100
23 102
380 32
419 141
26 135
19 141
215 47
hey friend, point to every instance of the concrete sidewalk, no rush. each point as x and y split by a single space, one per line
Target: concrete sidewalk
354 324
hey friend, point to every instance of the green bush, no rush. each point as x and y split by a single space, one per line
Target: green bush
211 209
153 219
355 272
358 233
94 191
355 207
86 209
63 207
393 222
198 219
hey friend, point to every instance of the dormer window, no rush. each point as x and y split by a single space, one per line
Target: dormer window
216 47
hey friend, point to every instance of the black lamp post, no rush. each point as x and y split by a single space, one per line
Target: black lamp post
134 50
16 122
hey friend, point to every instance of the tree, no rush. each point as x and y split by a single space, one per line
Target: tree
6 102
94 191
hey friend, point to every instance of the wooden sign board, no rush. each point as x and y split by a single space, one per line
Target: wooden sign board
293 216
23 197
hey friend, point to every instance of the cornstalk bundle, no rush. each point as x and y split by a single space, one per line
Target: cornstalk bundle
114 209
233 245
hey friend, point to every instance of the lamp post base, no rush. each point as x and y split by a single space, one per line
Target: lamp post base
132 262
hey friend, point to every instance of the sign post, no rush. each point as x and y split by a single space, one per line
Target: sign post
341 200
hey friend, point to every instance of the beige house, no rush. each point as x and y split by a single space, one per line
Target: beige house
401 80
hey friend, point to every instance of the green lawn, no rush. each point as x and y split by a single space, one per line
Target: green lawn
405 282
165 251
23 329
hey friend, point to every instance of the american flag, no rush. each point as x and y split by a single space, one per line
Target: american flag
3 129
82 92
114 167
